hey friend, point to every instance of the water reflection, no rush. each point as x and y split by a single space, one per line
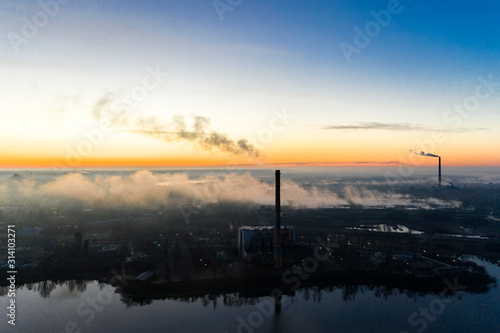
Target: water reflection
241 298
350 307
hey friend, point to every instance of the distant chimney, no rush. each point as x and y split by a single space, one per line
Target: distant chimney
277 234
439 176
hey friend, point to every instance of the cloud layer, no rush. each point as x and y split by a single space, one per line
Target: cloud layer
398 127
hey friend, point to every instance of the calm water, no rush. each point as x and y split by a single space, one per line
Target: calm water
308 310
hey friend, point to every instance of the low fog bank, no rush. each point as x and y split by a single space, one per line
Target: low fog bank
151 190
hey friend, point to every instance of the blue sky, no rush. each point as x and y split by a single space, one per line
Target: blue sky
262 56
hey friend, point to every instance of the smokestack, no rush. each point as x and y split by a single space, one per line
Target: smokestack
439 176
277 234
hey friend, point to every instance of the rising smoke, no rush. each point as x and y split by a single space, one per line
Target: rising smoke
421 153
200 134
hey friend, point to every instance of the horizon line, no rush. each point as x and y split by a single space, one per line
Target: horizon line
230 166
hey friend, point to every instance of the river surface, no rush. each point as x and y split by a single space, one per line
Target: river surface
99 308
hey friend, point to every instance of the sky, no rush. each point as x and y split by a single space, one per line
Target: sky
255 82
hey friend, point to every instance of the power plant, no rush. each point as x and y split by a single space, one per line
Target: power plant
268 244
421 153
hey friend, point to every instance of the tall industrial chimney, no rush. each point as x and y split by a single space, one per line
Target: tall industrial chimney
439 171
277 234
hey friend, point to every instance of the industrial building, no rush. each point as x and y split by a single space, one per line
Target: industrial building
257 243
268 244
